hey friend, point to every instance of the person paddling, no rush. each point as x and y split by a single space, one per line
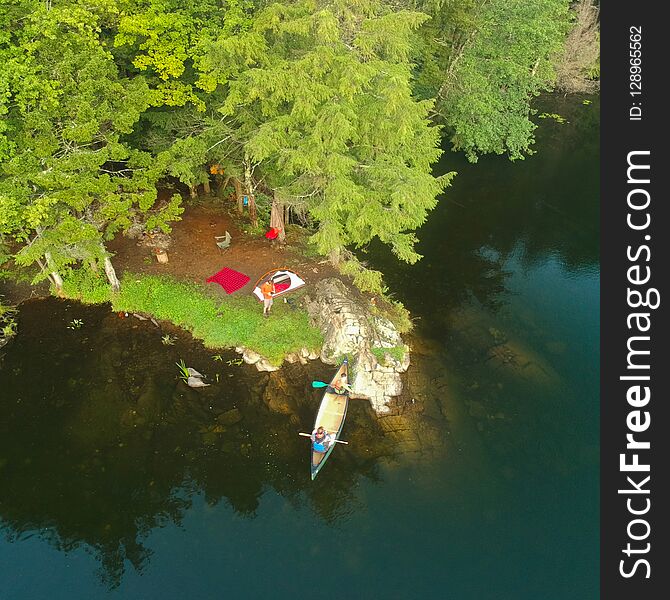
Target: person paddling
268 290
339 386
321 440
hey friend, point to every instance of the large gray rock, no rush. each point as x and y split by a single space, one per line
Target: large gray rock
349 329
265 365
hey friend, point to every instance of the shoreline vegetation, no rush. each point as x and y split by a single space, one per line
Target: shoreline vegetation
327 115
228 323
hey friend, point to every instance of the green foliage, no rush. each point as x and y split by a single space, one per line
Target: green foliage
183 370
68 180
366 280
238 321
321 93
506 60
87 286
8 323
396 312
397 353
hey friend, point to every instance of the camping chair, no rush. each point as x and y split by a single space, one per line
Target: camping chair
223 241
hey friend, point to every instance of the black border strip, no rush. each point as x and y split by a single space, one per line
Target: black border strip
621 134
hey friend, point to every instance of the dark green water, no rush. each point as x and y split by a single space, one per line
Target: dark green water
117 481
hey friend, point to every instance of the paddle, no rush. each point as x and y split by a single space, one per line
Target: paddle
321 384
310 435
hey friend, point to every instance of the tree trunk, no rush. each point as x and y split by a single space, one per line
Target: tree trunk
54 275
111 275
277 219
194 191
335 256
222 186
247 176
206 187
249 190
253 216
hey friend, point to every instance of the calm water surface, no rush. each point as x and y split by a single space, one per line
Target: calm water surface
116 481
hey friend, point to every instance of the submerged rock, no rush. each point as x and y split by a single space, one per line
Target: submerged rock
196 382
230 417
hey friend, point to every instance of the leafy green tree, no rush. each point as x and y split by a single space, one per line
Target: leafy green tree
505 60
68 181
163 40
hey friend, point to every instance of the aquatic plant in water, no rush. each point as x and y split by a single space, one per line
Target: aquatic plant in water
183 370
75 324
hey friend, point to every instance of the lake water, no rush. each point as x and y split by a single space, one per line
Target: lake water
117 481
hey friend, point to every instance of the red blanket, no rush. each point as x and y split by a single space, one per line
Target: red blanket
229 280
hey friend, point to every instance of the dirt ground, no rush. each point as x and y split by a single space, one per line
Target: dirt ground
194 256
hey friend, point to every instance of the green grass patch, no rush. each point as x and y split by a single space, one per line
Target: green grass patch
397 353
235 321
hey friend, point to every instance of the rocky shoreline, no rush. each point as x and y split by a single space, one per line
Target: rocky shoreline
351 329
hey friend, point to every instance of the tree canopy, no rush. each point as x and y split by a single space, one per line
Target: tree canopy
333 107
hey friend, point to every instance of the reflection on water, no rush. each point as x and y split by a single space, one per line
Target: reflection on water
483 484
507 300
100 442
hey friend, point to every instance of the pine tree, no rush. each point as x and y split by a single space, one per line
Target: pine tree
321 94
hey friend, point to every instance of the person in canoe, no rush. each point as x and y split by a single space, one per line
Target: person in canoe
268 290
321 440
339 386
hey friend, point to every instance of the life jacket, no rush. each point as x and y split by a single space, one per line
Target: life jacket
320 445
267 289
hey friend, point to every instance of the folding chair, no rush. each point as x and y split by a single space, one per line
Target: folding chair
223 241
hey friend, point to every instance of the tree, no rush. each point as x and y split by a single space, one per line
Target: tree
321 94
498 57
68 181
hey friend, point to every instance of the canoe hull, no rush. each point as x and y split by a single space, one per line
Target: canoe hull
331 416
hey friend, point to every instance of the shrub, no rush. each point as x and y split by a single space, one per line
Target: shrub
397 353
87 286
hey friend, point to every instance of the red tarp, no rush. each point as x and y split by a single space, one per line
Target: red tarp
272 233
229 280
